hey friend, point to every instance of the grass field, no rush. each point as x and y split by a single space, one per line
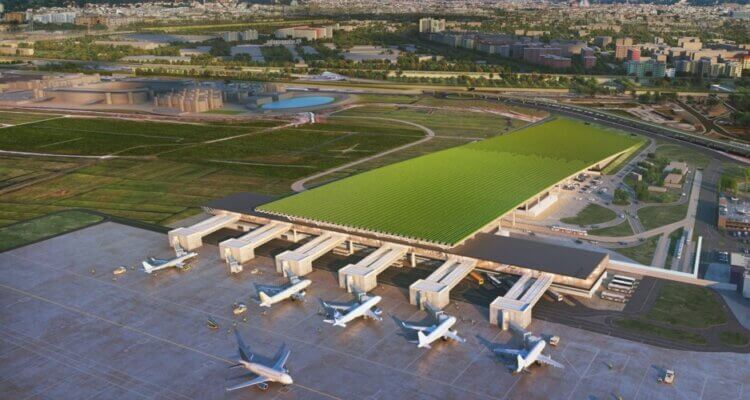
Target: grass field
643 252
40 228
621 229
678 335
168 171
687 305
736 339
443 122
675 152
14 118
656 216
592 214
428 197
679 306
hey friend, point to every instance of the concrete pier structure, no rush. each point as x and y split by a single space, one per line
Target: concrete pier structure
191 237
242 249
515 307
364 274
299 261
435 290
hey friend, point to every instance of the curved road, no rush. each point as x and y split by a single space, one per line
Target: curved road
299 185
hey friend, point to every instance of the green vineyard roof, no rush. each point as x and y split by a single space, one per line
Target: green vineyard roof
447 196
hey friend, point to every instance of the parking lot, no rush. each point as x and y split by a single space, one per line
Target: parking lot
72 330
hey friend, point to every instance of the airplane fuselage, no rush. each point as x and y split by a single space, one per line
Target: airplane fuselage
358 311
526 360
438 332
265 371
285 293
175 262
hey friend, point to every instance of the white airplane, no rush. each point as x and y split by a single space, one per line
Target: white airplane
157 264
364 307
295 290
440 330
530 353
275 373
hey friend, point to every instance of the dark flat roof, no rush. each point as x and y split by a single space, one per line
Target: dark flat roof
524 253
243 203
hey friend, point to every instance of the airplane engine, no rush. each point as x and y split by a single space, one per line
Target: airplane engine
263 386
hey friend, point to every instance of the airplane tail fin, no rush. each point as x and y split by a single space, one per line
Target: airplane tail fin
423 340
265 300
148 267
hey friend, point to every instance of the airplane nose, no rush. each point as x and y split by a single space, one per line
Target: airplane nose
287 380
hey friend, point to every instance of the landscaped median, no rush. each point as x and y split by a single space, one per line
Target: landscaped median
446 196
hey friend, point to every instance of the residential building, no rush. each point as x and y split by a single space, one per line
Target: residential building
431 25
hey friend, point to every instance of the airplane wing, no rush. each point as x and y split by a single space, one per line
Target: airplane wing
513 352
282 359
371 314
337 307
552 363
252 382
454 336
415 327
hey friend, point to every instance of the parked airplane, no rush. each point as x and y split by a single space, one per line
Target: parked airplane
364 307
157 264
295 290
275 373
440 330
530 353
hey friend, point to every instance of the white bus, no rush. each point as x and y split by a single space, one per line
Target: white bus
619 288
623 283
611 296
624 278
571 231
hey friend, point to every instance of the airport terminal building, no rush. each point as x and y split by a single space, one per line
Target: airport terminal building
445 206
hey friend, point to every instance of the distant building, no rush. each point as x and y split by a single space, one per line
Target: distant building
621 51
634 54
603 41
430 25
647 68
15 17
690 43
305 32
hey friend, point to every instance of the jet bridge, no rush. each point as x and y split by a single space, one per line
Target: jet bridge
435 290
299 261
515 307
242 249
191 237
364 274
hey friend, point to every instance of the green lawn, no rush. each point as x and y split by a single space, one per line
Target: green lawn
676 152
592 214
655 216
687 305
40 228
644 327
615 166
97 136
443 122
733 338
446 196
181 172
621 229
14 118
224 112
643 252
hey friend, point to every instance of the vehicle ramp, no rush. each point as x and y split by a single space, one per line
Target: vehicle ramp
191 237
435 289
299 261
242 249
364 275
516 305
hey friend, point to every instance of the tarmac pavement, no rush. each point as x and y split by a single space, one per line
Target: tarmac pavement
72 330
